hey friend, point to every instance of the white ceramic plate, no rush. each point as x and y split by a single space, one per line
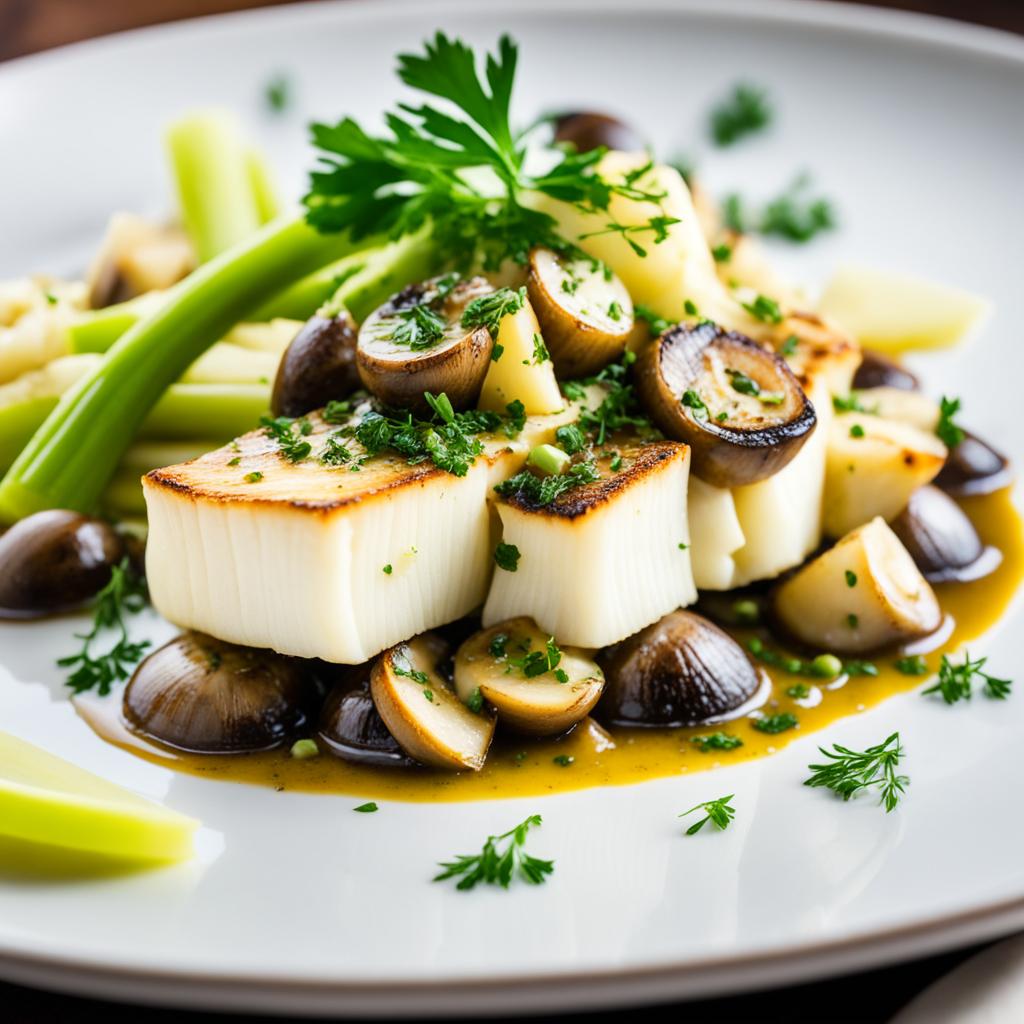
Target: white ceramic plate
296 904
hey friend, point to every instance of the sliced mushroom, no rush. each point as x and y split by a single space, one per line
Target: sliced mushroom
210 697
542 697
319 365
585 130
351 727
416 342
137 256
736 404
861 595
55 559
422 711
878 371
941 539
974 467
682 670
585 312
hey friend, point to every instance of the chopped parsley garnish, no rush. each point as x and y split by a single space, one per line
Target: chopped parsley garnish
367 808
820 667
124 594
690 308
278 93
401 666
235 461
798 691
388 569
745 111
722 253
956 682
788 347
743 384
851 578
540 351
774 724
719 812
912 665
716 741
791 215
419 327
563 760
852 621
447 439
947 431
417 172
856 430
497 352
489 310
498 644
614 311
537 663
543 490
254 477
619 408
656 324
290 435
571 439
850 403
493 866
764 309
506 556
692 400
847 771
475 702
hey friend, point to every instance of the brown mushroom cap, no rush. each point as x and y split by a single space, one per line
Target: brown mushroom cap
587 129
974 467
878 371
319 365
941 539
737 405
456 364
55 559
351 727
210 697
682 670
585 314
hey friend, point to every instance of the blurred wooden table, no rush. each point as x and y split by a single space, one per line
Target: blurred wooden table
30 25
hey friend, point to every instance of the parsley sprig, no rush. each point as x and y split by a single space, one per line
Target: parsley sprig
847 771
489 310
956 682
793 214
948 432
543 490
745 111
415 174
290 435
719 812
494 866
124 594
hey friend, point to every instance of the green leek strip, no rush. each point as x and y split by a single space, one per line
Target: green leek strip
73 454
302 299
18 422
264 192
214 179
98 329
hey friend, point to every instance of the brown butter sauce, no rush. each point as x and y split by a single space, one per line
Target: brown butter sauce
527 767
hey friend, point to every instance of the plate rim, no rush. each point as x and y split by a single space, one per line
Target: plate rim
565 989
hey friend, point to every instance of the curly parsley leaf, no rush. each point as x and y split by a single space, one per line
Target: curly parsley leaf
719 812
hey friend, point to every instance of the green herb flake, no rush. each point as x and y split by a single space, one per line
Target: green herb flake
254 477
367 808
716 741
745 111
563 760
848 772
947 431
912 665
956 682
719 812
506 556
851 578
496 866
774 724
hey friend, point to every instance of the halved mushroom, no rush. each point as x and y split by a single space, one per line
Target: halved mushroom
137 256
318 365
861 595
535 686
416 342
422 711
206 696
877 371
55 559
585 312
681 670
351 727
736 404
973 467
941 539
585 130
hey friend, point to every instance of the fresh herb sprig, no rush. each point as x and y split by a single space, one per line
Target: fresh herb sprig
290 435
956 682
489 310
125 594
719 812
618 409
543 490
947 431
848 772
416 173
793 214
496 866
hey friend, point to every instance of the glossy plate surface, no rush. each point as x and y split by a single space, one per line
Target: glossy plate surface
294 902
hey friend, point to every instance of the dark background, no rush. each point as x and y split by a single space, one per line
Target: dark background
27 26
